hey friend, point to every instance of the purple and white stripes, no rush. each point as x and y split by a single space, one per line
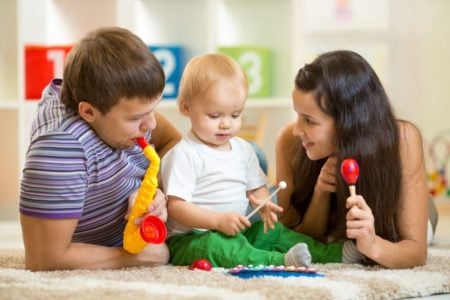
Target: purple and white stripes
71 173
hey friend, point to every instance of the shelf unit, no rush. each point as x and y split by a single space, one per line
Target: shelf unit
9 108
200 26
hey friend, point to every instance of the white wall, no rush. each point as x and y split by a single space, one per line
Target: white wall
420 74
418 69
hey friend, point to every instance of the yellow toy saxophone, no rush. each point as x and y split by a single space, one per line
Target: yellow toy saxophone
151 229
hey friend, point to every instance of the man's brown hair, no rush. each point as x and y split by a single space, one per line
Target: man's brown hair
109 64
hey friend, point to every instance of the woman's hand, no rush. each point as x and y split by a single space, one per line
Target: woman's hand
326 182
158 206
268 212
232 223
360 223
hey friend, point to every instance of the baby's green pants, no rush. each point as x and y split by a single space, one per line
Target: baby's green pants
251 246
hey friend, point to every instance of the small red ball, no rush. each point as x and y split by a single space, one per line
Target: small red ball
201 264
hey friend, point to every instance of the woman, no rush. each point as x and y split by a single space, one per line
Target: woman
343 111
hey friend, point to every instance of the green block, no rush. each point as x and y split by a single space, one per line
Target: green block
256 62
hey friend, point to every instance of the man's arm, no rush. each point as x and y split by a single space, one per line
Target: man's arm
48 246
165 135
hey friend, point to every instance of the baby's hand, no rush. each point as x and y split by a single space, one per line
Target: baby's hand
232 223
268 212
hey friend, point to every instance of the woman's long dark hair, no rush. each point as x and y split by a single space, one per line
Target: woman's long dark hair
346 88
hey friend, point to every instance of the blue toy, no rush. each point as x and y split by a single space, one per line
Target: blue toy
246 272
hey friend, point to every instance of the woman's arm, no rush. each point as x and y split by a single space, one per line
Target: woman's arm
283 155
411 250
48 246
165 135
315 219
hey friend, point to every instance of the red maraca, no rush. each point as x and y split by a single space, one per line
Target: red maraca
350 173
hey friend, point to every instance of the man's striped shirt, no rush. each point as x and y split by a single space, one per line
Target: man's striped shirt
71 173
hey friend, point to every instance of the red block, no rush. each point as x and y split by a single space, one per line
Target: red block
42 64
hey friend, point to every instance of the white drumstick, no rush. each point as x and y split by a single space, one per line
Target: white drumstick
281 186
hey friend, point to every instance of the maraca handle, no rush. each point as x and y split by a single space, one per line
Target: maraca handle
352 190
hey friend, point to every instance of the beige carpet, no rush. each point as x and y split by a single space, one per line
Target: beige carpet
340 282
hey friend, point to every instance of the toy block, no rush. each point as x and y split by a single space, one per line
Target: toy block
256 62
171 58
42 64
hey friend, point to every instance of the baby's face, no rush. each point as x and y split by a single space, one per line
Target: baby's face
217 117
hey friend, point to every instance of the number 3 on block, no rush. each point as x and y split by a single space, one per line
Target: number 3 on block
256 64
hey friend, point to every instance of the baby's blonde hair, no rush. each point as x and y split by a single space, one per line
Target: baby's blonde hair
204 72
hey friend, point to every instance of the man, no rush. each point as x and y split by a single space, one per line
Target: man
83 167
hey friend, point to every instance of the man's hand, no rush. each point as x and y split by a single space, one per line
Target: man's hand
158 206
